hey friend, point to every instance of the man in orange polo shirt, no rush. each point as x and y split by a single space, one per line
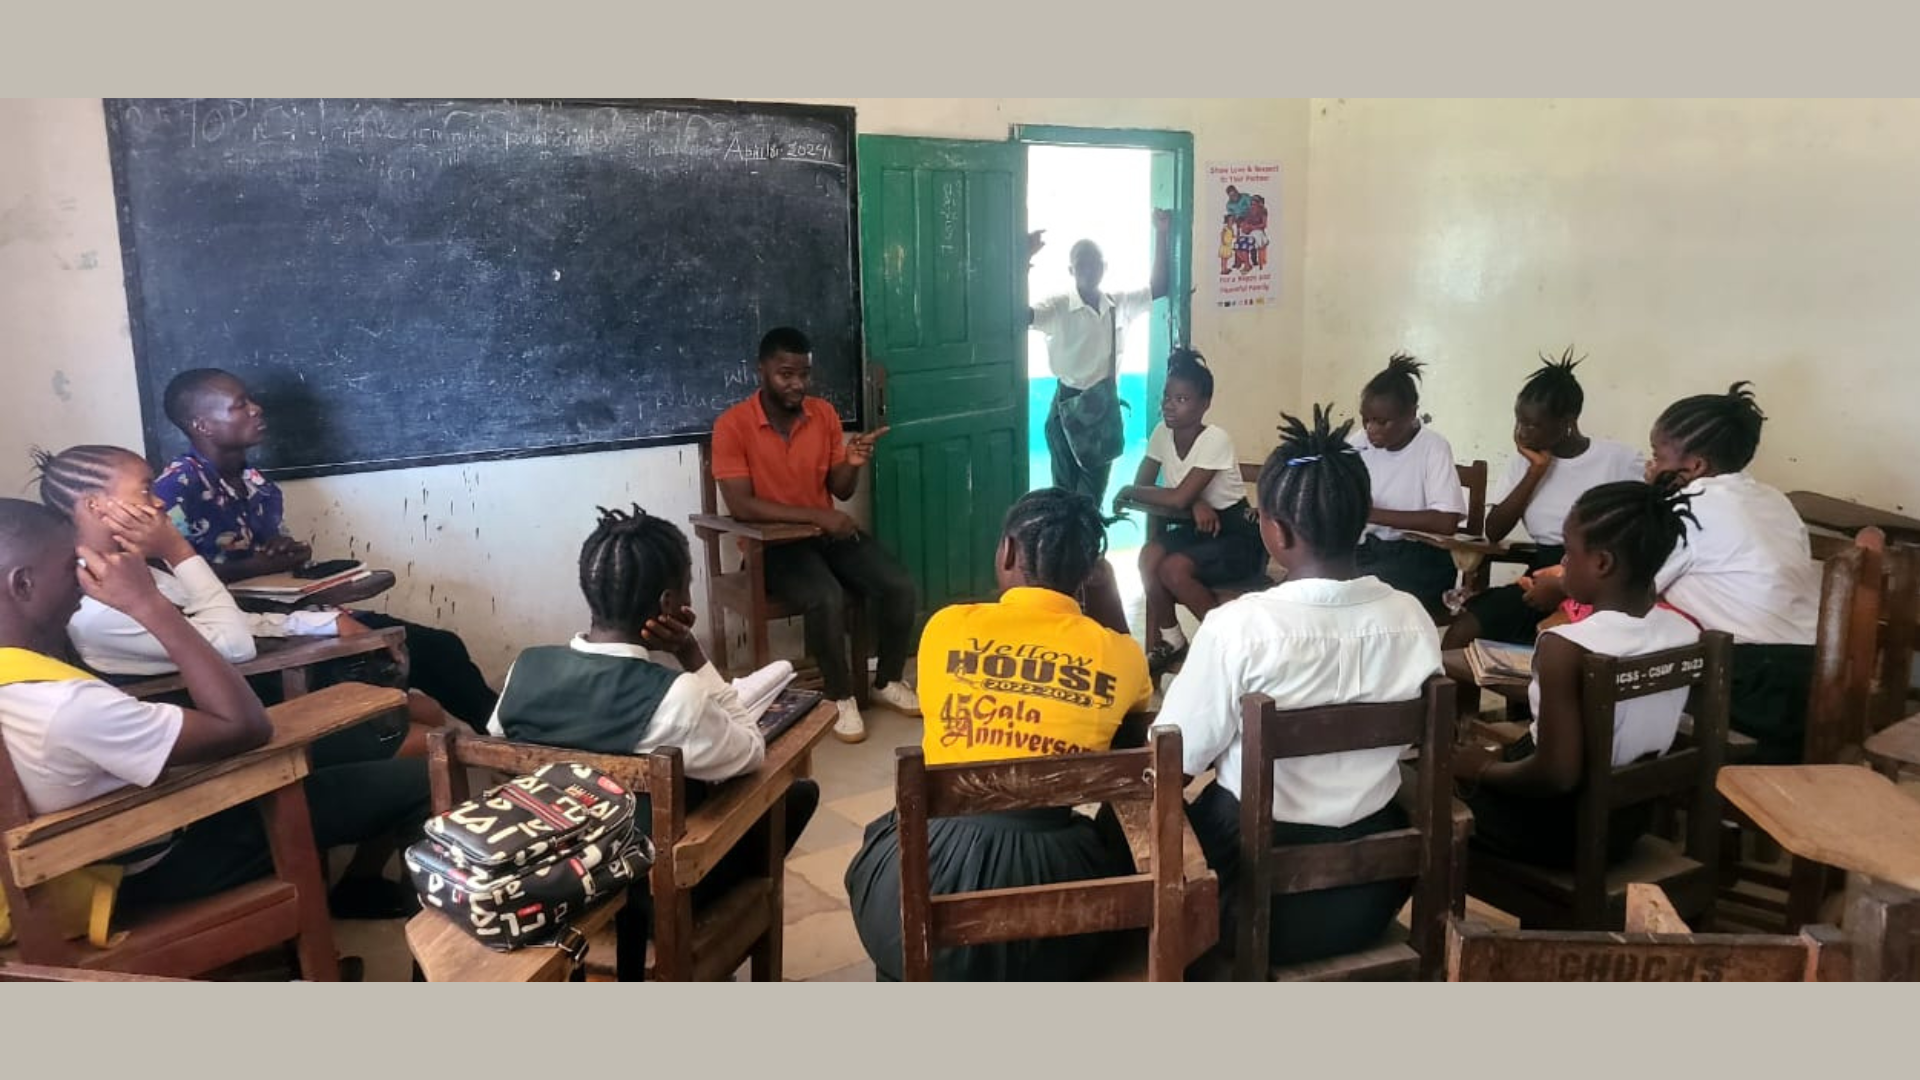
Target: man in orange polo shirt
780 456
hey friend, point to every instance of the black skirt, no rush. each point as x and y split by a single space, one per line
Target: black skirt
987 851
1231 556
1503 613
1420 570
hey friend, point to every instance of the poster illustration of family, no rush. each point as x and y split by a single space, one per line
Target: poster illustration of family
1246 198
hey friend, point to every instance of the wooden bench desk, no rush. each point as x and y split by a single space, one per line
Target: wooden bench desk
1844 816
292 658
1850 517
347 592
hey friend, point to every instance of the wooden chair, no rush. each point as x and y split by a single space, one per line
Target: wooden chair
744 591
1473 477
707 945
293 659
201 935
1181 922
1863 653
1592 896
1657 946
1431 851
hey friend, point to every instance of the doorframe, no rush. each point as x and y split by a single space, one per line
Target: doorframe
1180 255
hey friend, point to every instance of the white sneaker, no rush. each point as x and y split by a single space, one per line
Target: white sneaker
850 728
898 696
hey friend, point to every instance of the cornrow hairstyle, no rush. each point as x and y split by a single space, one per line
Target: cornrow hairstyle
74 473
1640 523
1399 383
785 339
1552 384
1190 367
1316 483
1059 536
1723 428
182 396
625 565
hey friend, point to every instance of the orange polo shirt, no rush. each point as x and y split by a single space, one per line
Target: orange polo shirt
790 469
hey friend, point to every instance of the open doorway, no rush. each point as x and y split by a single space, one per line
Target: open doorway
1105 194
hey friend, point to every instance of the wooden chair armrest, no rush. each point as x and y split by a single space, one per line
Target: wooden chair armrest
133 816
767 532
735 806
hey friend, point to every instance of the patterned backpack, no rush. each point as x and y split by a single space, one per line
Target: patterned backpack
515 866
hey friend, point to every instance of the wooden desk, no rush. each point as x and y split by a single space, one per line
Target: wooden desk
291 657
347 592
52 844
447 953
1836 815
1850 517
1469 551
732 808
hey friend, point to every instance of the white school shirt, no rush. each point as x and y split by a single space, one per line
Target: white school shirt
1211 449
1419 476
1567 479
1642 725
79 739
700 713
1081 339
114 643
1747 567
1304 643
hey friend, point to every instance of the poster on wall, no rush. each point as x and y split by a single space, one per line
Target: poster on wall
1244 197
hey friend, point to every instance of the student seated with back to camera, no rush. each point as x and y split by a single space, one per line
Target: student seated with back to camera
604 692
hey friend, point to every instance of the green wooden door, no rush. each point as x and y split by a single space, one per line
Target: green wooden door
943 278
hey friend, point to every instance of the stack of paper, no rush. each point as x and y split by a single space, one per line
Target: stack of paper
1496 663
758 689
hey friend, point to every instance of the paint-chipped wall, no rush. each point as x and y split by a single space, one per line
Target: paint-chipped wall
490 549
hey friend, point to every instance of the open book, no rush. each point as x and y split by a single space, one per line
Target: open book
758 689
1497 663
298 583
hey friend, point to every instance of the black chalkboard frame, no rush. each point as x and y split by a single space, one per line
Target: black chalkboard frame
153 419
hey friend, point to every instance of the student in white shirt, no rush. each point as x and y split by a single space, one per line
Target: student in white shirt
1201 471
1555 465
72 738
1747 567
1083 329
1416 486
1328 635
603 692
1524 798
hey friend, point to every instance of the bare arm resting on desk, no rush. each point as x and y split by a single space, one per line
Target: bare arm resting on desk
1438 522
742 503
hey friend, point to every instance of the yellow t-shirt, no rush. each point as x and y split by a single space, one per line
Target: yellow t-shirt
1029 676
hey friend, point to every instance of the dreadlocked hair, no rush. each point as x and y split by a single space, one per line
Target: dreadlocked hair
626 564
1059 537
1399 383
1190 367
1723 428
1552 384
74 473
1316 482
1640 523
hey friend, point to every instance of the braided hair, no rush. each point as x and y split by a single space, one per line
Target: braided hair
1399 383
1552 384
626 564
1316 483
1059 537
1638 522
1722 428
76 472
1190 367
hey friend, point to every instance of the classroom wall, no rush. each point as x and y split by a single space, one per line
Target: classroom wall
1680 244
489 549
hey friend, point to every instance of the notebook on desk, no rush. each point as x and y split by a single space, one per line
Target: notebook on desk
303 582
786 710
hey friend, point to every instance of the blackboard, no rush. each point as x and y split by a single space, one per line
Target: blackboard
408 282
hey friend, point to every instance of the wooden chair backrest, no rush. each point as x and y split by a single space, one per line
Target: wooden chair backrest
1854 684
1606 681
1474 478
1153 900
1477 953
709 490
658 775
1422 851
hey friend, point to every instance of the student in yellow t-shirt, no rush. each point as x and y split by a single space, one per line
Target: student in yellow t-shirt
1028 676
